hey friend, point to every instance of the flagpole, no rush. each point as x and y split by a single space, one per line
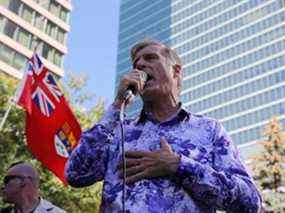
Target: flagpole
16 93
11 102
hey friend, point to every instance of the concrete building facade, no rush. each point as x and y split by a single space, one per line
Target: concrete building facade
29 24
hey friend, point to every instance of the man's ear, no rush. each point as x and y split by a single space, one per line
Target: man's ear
176 70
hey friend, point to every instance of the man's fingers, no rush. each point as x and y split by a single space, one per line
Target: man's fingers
132 171
129 163
129 81
135 79
165 145
136 177
138 154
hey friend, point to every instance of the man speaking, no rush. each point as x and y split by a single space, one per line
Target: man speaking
176 161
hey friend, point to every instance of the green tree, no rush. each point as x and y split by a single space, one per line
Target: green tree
268 166
13 148
12 137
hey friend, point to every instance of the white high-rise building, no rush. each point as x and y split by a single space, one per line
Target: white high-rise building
233 54
26 24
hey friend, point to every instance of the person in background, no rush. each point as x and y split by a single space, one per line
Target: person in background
21 189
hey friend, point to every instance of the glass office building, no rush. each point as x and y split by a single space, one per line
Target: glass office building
26 24
233 54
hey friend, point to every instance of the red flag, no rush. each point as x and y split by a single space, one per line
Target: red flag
51 128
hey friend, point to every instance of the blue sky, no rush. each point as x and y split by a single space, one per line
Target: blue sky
92 44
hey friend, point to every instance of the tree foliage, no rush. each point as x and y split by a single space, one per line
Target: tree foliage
269 166
13 148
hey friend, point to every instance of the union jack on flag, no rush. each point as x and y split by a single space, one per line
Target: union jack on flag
43 102
45 90
50 83
41 98
35 64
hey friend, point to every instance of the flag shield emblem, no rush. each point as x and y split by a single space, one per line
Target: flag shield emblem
64 141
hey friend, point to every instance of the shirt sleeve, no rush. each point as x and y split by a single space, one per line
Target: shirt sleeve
224 184
87 163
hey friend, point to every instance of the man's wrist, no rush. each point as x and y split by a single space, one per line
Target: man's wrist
175 163
117 103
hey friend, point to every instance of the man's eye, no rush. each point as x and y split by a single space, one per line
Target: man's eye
150 57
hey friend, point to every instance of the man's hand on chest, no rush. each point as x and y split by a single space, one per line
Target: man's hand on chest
145 164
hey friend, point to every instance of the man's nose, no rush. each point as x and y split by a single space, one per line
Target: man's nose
140 65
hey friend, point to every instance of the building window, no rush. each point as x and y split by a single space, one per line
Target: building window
6 53
27 14
54 8
57 59
19 61
61 36
43 3
36 43
23 37
12 58
51 55
10 29
39 21
14 6
48 52
48 28
51 29
63 15
45 50
2 23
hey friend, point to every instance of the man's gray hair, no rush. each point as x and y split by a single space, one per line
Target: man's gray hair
166 51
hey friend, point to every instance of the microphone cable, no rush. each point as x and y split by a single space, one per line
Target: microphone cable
122 113
128 96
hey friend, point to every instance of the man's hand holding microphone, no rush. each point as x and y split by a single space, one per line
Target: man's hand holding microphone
131 84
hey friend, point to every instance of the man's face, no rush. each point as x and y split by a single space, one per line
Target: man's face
13 184
159 69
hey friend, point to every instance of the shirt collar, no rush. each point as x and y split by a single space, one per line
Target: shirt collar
181 115
46 205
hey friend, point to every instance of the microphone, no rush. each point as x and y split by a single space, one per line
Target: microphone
131 90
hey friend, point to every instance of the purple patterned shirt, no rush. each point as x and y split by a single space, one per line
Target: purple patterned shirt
210 176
